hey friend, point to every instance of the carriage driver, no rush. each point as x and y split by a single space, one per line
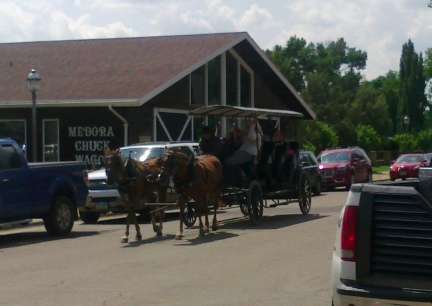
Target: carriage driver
210 144
249 148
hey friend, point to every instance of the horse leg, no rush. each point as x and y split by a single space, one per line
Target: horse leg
161 215
182 203
162 193
206 212
199 205
125 238
157 228
138 236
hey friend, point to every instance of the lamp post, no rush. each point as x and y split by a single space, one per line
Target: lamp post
33 85
406 123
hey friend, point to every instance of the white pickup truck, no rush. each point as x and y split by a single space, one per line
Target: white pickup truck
383 249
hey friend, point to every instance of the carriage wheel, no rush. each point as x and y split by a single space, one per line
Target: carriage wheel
189 217
255 202
304 194
244 204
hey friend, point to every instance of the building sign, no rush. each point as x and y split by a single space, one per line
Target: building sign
89 142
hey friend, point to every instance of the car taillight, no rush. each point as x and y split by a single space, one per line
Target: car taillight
348 233
86 177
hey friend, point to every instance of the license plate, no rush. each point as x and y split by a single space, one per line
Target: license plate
402 173
102 205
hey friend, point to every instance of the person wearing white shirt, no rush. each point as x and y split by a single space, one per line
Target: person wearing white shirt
249 148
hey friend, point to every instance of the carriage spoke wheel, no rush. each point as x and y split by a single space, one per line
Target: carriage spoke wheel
189 217
244 204
255 203
305 194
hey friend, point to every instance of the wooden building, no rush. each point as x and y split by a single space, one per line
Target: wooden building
115 92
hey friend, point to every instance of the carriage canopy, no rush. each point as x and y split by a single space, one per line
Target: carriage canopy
244 112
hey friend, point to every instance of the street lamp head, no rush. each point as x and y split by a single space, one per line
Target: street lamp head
33 80
406 120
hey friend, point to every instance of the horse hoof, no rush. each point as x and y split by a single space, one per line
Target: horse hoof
138 238
202 232
159 234
206 230
214 228
124 240
178 237
156 229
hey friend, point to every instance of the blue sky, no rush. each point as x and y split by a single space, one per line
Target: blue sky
379 27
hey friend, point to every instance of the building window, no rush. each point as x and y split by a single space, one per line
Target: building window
14 129
214 81
51 140
198 86
231 80
245 88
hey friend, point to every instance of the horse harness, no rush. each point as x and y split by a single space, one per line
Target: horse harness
132 178
192 175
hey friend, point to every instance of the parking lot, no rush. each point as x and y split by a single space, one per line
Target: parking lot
284 261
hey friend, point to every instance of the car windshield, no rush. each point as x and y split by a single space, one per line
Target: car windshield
333 157
142 154
409 159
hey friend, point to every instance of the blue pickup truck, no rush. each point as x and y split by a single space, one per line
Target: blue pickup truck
52 191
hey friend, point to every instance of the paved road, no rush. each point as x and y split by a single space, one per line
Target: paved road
285 261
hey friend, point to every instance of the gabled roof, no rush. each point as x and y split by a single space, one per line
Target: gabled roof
124 71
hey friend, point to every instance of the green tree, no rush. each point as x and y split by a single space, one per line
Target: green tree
370 109
293 60
412 100
428 64
316 136
424 140
389 86
367 138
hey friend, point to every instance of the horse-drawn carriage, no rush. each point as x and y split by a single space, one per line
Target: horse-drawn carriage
274 176
205 180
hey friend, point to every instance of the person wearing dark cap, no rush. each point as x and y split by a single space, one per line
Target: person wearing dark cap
209 143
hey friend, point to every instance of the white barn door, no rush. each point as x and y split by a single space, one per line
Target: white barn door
172 125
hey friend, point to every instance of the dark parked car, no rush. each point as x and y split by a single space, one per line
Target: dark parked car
344 167
310 164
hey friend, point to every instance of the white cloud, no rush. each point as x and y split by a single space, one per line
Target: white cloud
378 27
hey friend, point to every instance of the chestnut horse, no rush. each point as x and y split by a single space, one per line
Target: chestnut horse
136 182
198 178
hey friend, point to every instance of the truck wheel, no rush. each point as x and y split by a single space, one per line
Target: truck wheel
60 219
89 217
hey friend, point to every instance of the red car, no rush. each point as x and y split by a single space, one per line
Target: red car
344 167
406 166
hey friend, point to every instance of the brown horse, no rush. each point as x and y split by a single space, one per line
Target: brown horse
203 185
136 182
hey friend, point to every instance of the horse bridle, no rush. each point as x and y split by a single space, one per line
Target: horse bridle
115 173
175 164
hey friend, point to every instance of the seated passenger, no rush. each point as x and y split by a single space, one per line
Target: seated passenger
228 146
249 148
277 137
209 144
